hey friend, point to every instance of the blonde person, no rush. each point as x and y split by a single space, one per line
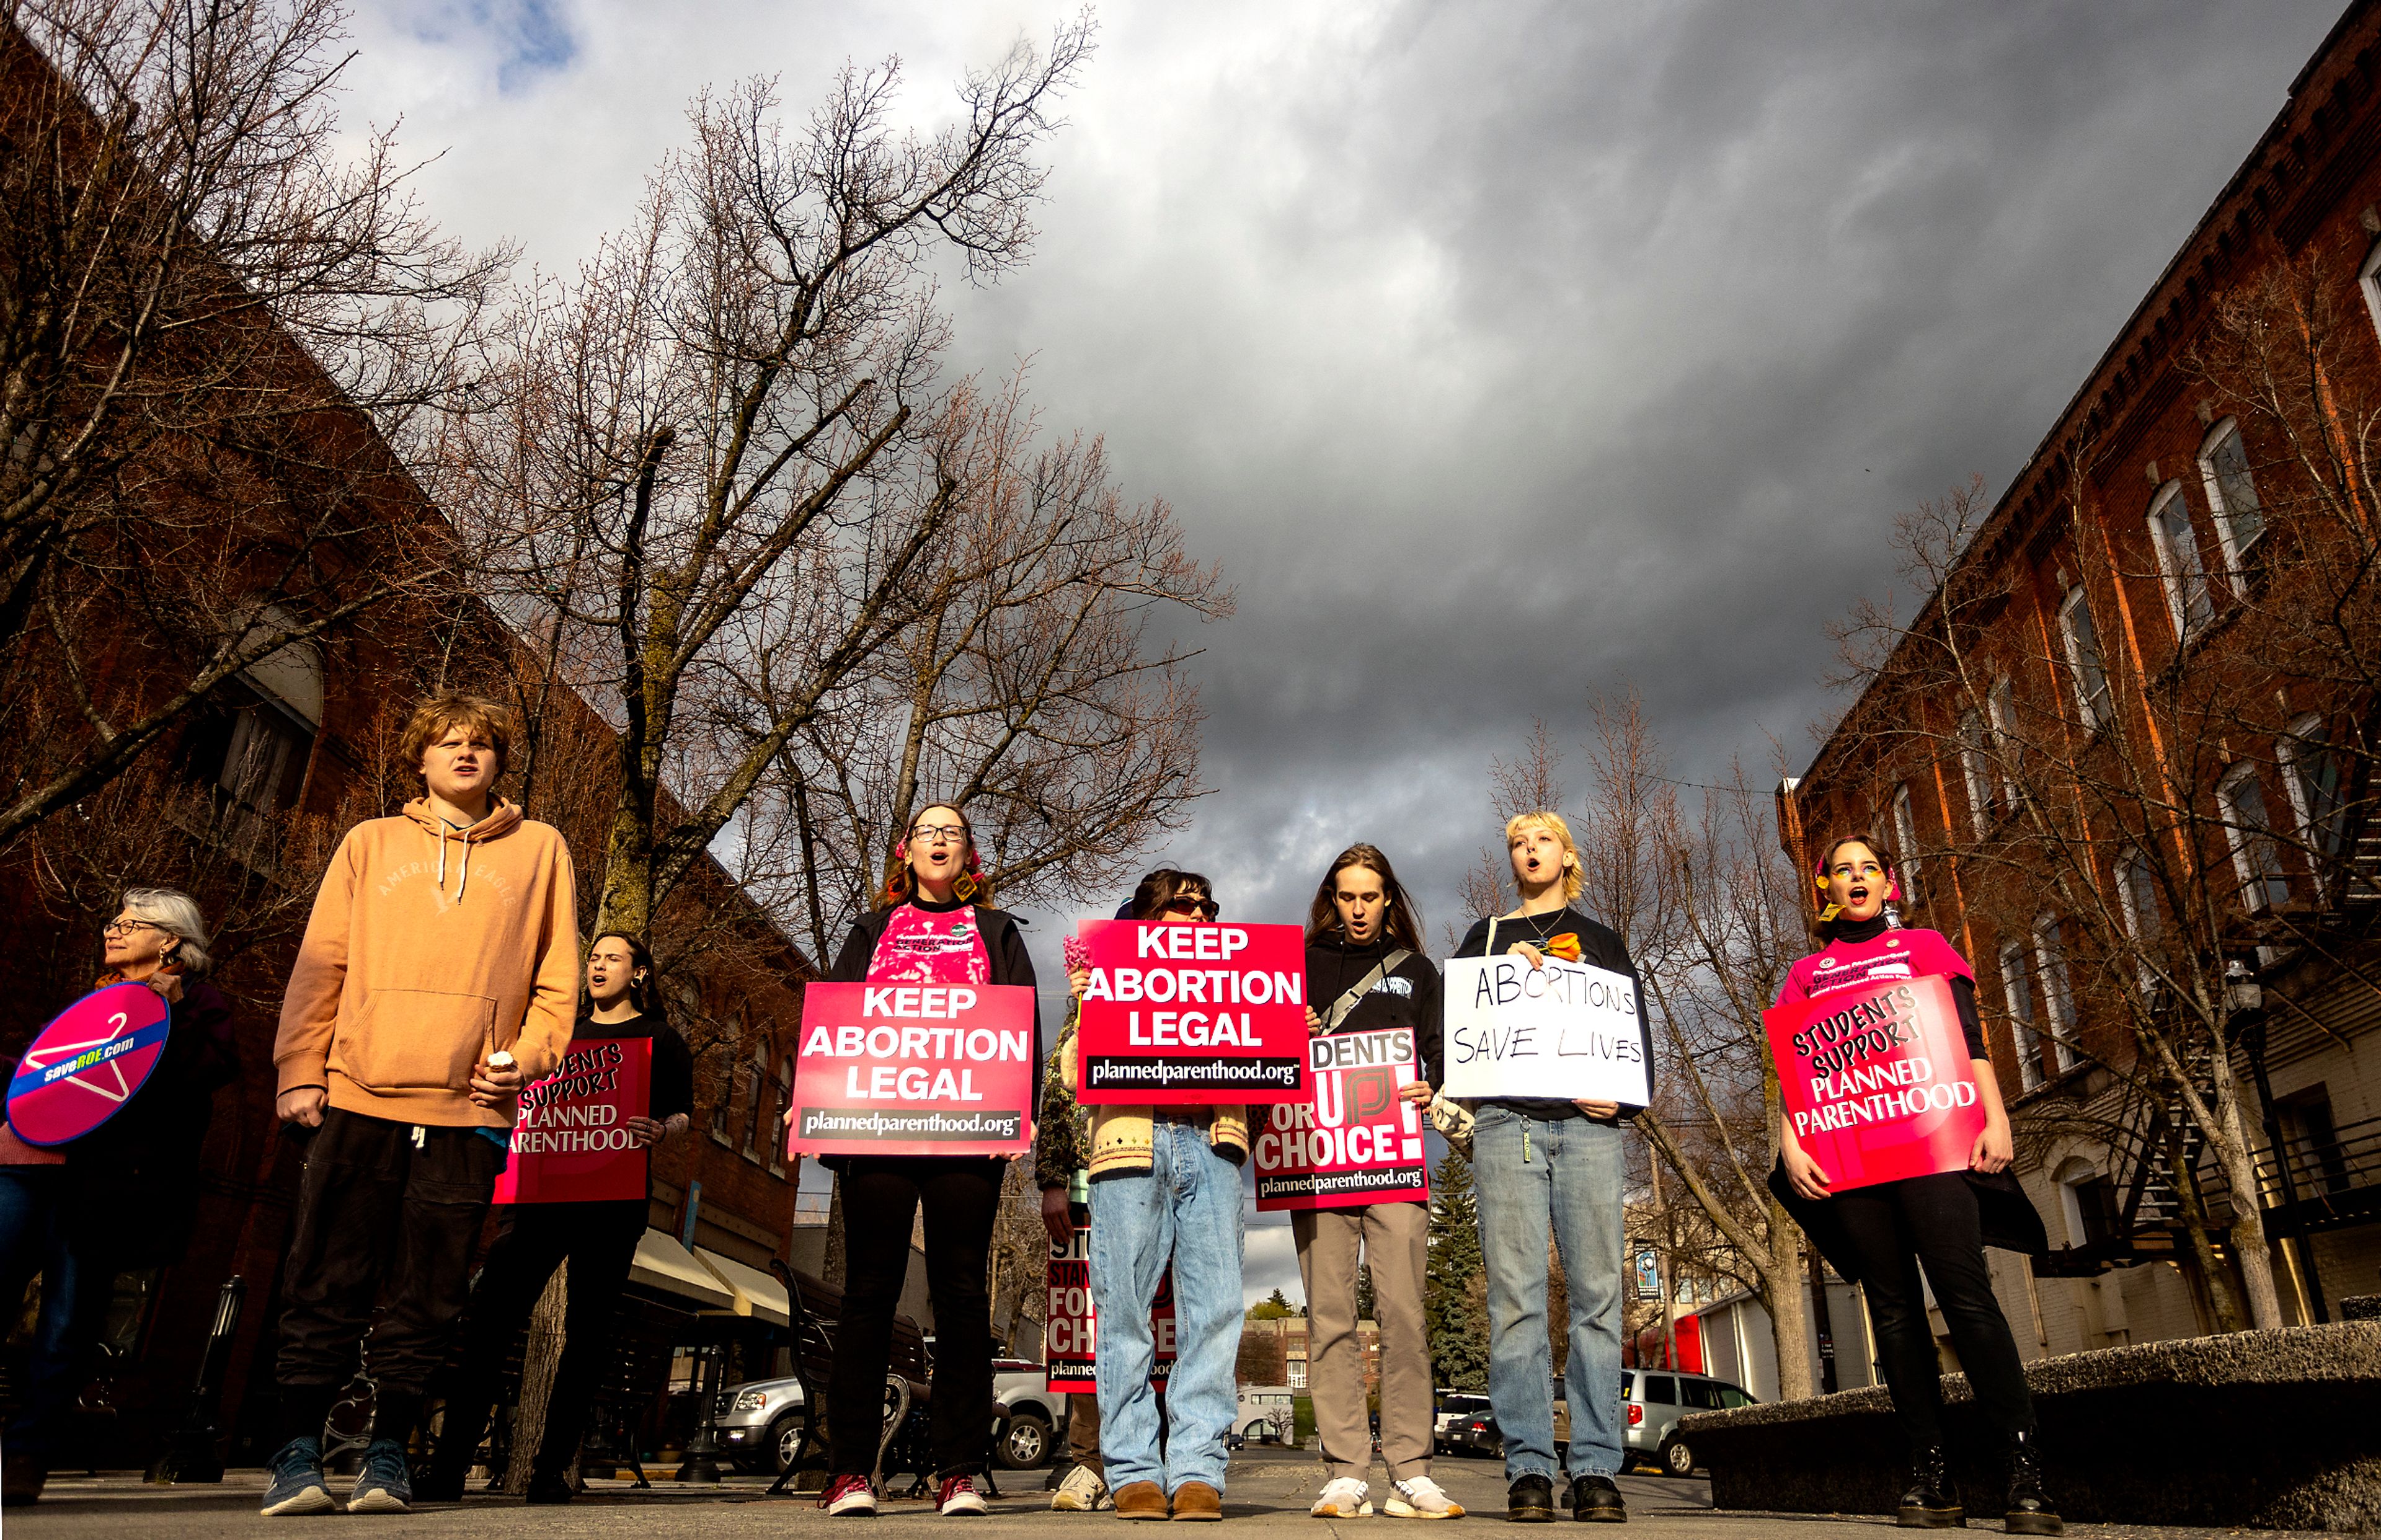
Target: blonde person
1366 970
1540 1163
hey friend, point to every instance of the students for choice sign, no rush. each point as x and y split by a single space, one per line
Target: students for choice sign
1564 1032
1358 1140
1192 1015
914 1069
1070 1327
572 1143
1876 1081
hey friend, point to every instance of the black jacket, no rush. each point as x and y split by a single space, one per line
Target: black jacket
2007 1215
1599 946
1004 949
1408 997
132 1183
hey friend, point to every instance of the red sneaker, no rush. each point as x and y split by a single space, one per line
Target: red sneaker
958 1496
850 1494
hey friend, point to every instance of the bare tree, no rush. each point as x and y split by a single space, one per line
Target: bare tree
214 307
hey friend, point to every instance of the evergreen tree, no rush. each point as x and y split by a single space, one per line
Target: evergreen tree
1365 1292
1451 1312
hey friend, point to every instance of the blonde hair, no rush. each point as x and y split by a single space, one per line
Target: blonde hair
1574 880
441 714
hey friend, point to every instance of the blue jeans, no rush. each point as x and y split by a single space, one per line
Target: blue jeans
1187 1207
74 1301
1568 1172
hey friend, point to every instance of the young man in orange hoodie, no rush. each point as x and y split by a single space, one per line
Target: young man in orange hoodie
439 975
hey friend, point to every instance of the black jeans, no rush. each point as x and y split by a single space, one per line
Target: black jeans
881 1197
599 1241
1895 1226
383 1220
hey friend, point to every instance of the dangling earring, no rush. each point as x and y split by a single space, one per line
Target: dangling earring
965 887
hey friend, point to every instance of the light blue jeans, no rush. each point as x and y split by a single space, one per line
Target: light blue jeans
1567 1172
1187 1207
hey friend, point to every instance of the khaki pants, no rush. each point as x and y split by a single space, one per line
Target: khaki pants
1083 1430
1396 1241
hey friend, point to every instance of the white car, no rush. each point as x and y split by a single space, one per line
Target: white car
1036 1420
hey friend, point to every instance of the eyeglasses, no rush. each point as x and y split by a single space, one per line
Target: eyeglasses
1193 906
118 930
949 834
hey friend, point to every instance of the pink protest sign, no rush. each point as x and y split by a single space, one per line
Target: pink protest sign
1876 1081
1358 1140
572 1143
1070 1331
1192 1015
87 1063
914 1069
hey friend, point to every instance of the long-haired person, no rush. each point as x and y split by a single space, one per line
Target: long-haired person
935 924
1879 1235
1367 970
1165 1185
1538 1162
124 1195
599 1241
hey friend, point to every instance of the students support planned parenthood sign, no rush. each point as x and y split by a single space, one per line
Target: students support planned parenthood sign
1564 1031
914 1069
1357 1141
1876 1081
572 1143
1192 1015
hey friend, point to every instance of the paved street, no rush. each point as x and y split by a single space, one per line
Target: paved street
1269 1488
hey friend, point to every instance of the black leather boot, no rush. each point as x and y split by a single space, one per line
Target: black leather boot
2029 1508
1531 1501
1929 1502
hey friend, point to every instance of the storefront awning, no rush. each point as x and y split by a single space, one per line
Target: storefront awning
757 1294
662 1263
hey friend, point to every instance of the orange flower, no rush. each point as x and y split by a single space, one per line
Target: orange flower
1565 946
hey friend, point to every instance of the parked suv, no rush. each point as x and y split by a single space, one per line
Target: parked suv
1036 1423
1653 1400
759 1423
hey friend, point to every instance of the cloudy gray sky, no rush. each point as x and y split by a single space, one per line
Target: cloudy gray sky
1501 353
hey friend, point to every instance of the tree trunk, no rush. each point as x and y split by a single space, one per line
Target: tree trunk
1785 1296
2223 1299
2248 1210
540 1356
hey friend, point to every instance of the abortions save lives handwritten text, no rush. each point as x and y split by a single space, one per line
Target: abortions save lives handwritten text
1564 1031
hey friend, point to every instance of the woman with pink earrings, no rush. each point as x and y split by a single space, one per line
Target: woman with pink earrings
1877 1236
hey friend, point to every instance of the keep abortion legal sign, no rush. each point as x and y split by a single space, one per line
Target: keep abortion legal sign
1192 1015
1355 1140
571 1141
1876 1081
1562 1031
914 1069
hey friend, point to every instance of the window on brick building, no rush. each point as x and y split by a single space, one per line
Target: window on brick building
776 1135
1972 771
2241 801
2093 703
756 1102
2311 774
2017 990
1905 836
2058 992
2231 491
2137 901
2001 711
2188 600
2368 280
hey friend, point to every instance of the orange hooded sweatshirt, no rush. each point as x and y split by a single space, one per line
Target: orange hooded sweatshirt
429 949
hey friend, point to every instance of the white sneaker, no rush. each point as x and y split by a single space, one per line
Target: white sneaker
1419 1498
1082 1492
1341 1499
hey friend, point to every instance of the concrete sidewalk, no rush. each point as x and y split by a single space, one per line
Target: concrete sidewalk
1269 1490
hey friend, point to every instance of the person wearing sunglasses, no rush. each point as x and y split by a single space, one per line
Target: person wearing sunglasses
1165 1184
934 923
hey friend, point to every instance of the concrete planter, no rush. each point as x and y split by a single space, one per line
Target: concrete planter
2269 1429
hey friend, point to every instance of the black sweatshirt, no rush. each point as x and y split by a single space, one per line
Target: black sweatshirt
1598 948
1408 997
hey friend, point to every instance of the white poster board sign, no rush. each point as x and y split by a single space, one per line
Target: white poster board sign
1563 1031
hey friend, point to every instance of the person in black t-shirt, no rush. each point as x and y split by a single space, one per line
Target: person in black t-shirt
599 1240
1540 1163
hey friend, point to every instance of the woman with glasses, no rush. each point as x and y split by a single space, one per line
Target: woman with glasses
933 924
124 1195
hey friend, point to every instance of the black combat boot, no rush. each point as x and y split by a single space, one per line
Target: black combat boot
1929 1502
1531 1501
2029 1508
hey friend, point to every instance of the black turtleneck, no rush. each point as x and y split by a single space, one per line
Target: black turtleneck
1854 932
1407 996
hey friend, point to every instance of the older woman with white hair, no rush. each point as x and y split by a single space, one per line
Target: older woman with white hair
124 1195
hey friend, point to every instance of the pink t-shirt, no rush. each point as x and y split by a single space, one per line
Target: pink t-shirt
921 947
1897 954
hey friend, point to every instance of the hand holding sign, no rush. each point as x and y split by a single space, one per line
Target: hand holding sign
1543 1029
1192 1015
1877 1084
87 1063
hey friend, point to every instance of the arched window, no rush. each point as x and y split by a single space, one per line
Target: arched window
2137 900
776 1135
255 746
1905 835
2368 280
2093 703
2017 988
2001 711
2311 774
2057 994
2241 800
756 1102
2187 599
1972 771
2231 491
